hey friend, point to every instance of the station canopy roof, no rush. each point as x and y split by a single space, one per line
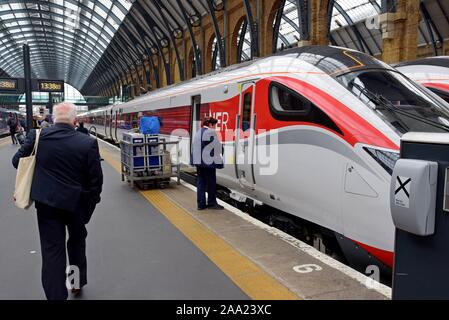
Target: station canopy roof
354 25
66 37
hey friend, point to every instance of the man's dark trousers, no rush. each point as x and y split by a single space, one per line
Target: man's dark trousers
12 132
207 180
52 229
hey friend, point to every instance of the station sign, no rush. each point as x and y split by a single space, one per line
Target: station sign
17 85
9 84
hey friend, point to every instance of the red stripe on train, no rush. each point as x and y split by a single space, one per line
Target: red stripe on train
384 256
440 86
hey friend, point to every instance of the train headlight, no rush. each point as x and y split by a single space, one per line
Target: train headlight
387 159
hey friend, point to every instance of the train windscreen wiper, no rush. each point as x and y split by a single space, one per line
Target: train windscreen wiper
385 103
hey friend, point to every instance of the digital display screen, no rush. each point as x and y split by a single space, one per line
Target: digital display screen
8 84
51 86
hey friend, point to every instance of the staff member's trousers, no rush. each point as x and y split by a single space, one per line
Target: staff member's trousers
207 180
52 230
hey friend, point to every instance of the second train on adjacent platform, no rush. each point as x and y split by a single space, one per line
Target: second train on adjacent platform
322 126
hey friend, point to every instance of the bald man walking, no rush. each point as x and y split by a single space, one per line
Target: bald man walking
66 187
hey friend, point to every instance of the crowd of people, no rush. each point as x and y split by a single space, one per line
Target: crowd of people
18 127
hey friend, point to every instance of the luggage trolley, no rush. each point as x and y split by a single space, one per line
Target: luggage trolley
146 162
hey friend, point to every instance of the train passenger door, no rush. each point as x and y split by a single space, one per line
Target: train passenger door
245 136
111 121
195 118
116 124
105 123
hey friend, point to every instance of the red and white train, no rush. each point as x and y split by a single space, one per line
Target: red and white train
333 117
433 73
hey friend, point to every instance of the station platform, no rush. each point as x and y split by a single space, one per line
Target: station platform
154 244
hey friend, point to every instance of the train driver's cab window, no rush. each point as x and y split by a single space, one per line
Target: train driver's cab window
246 114
289 105
284 100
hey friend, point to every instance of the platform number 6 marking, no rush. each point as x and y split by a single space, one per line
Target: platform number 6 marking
307 268
373 273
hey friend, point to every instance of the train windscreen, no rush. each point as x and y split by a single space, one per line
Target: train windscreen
442 94
401 103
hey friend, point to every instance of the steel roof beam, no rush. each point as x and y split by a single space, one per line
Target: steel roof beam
140 38
220 44
253 30
241 41
172 40
428 22
151 25
196 50
277 24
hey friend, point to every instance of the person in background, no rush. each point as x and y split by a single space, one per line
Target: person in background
35 123
206 156
81 128
45 123
12 124
66 188
23 124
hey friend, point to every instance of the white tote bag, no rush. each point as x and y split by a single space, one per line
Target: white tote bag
24 178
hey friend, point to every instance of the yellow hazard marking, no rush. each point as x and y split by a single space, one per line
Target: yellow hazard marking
247 275
4 142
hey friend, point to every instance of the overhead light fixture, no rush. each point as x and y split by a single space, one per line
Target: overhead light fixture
177 33
154 50
218 5
195 20
164 43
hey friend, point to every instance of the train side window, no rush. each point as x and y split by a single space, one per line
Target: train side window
288 105
246 112
286 100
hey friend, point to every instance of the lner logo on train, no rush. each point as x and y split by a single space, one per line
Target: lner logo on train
222 118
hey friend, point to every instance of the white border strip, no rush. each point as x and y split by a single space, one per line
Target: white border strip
366 281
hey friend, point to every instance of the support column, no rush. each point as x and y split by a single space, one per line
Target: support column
28 93
319 23
400 31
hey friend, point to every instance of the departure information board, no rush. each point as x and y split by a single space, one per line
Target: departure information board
9 84
51 85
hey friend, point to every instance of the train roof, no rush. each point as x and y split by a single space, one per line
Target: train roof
440 61
335 61
331 60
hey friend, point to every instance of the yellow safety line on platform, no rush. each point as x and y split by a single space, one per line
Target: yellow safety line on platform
4 142
248 276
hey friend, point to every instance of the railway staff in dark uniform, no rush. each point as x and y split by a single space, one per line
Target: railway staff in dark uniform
66 187
12 124
206 156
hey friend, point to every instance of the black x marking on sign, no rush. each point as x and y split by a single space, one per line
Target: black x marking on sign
402 186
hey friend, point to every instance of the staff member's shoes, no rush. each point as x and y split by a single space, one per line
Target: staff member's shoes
201 208
216 207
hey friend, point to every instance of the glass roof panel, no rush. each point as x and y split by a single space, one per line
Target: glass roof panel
357 10
75 30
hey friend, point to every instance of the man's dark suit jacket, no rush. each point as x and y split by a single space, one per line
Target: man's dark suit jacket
68 173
